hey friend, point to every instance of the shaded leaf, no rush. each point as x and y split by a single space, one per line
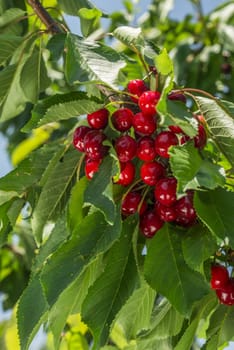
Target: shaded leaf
169 274
9 44
215 208
89 20
112 289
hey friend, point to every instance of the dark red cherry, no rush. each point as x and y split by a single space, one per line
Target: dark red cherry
219 276
93 146
165 191
98 119
127 174
176 129
151 172
78 137
145 149
201 138
177 96
226 293
163 141
122 119
91 167
186 214
226 68
131 202
144 124
167 214
136 87
150 223
126 148
148 101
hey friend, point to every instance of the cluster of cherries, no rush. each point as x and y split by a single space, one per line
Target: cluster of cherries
222 283
142 149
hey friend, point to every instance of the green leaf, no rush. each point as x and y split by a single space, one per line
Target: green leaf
220 123
129 36
209 176
5 196
166 321
163 63
8 43
112 289
29 317
89 20
62 107
215 208
136 313
198 245
76 202
10 15
72 6
53 194
92 236
185 162
34 77
91 62
221 324
5 226
99 191
169 274
73 295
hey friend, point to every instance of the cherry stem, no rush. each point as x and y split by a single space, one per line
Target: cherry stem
79 166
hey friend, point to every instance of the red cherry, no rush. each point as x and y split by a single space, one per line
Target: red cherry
150 223
167 214
151 172
144 124
136 87
125 147
130 204
78 137
201 138
176 129
145 149
226 293
219 276
163 141
93 146
165 191
148 101
127 174
122 119
177 96
91 167
200 118
98 119
186 214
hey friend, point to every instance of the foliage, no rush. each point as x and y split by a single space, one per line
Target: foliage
70 261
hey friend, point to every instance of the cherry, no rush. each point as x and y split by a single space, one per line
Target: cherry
144 124
78 137
186 214
131 203
91 167
145 149
150 223
122 119
200 118
93 146
127 174
126 148
219 276
177 96
98 119
151 172
167 214
136 87
201 138
226 293
163 141
165 191
148 101
176 129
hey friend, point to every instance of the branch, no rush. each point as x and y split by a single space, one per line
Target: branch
45 17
